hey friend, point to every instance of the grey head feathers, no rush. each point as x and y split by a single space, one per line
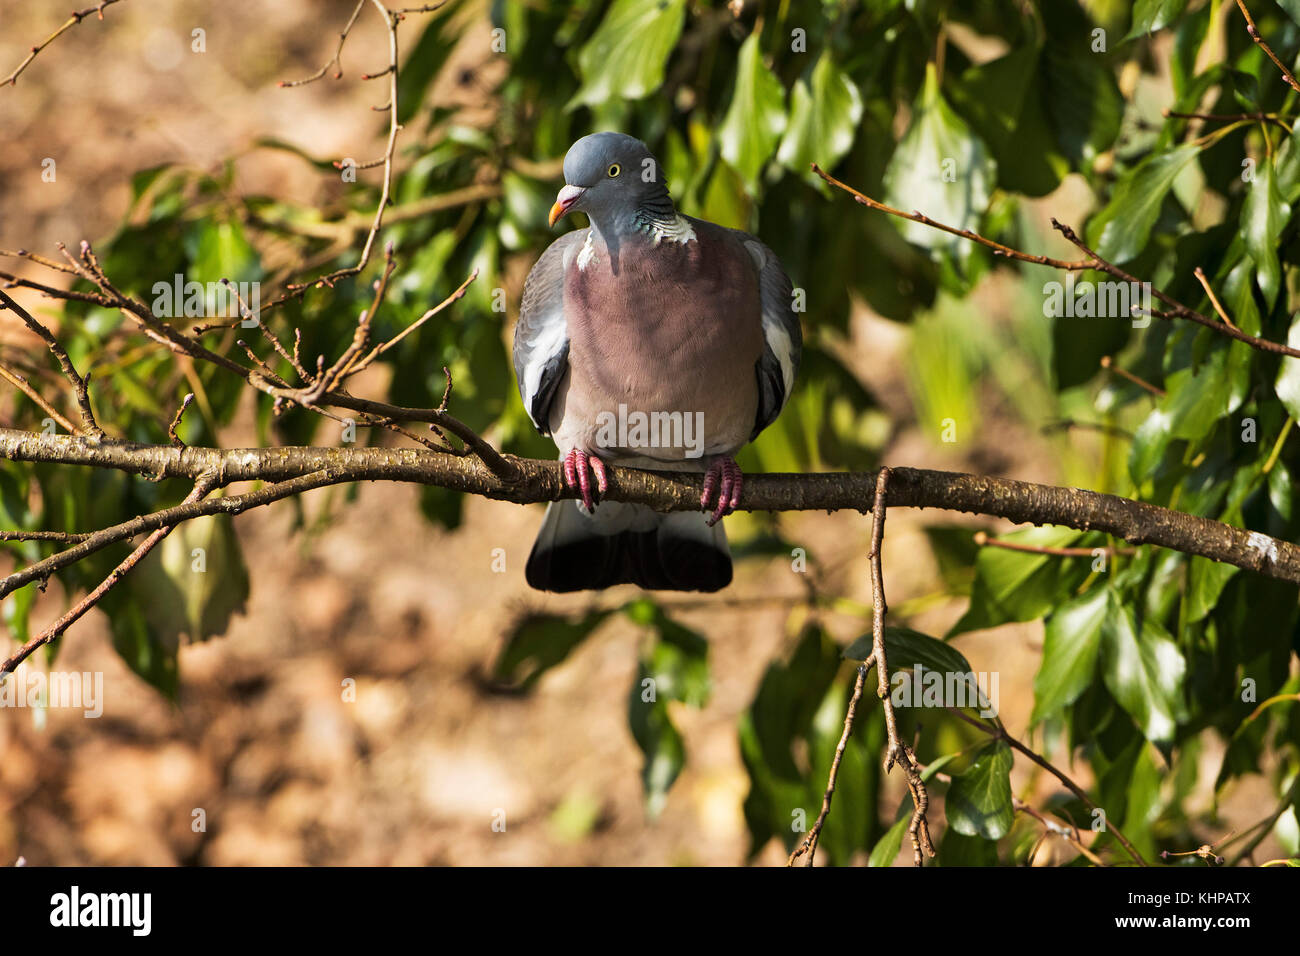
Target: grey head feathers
617 182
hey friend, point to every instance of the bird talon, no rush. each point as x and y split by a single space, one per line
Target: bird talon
578 469
724 476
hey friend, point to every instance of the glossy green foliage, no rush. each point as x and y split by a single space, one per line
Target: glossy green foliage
1150 659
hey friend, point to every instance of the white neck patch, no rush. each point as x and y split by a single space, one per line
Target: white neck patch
677 229
587 252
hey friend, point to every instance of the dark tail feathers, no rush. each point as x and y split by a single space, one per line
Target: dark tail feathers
627 544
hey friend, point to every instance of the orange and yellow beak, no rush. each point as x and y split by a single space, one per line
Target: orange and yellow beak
565 201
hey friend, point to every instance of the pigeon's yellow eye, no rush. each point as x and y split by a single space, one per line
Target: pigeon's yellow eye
614 170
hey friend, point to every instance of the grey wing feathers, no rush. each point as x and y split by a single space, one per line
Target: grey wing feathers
783 340
541 349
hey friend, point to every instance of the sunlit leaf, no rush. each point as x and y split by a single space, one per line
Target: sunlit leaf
824 114
756 117
940 168
626 55
979 800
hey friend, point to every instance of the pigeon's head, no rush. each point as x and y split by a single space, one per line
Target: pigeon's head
606 174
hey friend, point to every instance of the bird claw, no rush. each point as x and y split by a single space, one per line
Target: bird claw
579 467
724 477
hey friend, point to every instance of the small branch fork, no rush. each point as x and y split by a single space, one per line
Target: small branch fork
78 610
1091 262
896 750
998 732
80 385
391 20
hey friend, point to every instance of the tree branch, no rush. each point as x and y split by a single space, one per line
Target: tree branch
1093 262
538 481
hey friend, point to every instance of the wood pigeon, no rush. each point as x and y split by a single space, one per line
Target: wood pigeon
649 340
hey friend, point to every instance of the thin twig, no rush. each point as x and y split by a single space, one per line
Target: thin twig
73 19
1068 833
984 541
1258 117
999 732
1254 35
1108 363
25 387
201 488
1214 299
394 127
338 52
809 843
80 386
1093 262
180 413
63 537
383 347
897 751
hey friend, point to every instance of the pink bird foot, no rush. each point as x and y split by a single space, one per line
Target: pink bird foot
578 470
725 478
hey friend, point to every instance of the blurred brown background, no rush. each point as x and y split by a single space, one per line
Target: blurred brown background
414 770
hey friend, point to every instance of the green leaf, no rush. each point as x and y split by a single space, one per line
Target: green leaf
1149 445
1263 215
1020 586
1126 222
192 582
756 116
1152 15
887 848
17 612
441 506
1144 670
1287 164
1002 101
940 168
979 800
678 659
1288 373
143 652
824 117
1292 8
625 57
660 742
1080 95
1199 397
787 699
221 251
539 642
1206 580
906 648
1071 645
674 668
